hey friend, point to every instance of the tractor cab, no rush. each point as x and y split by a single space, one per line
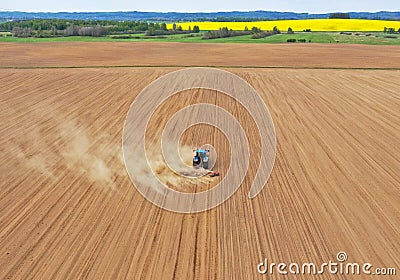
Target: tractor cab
200 158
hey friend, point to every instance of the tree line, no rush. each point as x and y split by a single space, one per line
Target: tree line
161 29
224 32
95 28
390 30
262 34
256 33
62 24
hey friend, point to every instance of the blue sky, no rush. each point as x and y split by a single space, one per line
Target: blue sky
310 6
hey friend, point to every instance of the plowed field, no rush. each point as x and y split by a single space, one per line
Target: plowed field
68 209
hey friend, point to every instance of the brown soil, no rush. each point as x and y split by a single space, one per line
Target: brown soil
206 54
69 210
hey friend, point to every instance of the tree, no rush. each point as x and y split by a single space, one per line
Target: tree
174 26
391 30
276 30
255 29
53 31
72 30
208 35
246 28
290 31
196 29
150 31
99 31
21 32
163 26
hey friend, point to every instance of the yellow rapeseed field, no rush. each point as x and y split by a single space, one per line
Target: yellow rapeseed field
300 25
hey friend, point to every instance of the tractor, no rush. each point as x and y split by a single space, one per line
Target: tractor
201 158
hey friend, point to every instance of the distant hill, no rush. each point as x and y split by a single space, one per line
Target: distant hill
173 16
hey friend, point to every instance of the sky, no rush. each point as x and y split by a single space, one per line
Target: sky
309 6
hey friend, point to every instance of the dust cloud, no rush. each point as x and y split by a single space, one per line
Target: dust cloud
80 153
69 149
154 169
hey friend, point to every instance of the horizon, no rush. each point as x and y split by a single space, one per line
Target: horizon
205 6
195 12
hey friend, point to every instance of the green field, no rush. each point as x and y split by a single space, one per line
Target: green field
375 38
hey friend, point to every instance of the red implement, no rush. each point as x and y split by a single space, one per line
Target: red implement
213 173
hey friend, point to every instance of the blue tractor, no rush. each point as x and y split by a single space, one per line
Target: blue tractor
200 158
